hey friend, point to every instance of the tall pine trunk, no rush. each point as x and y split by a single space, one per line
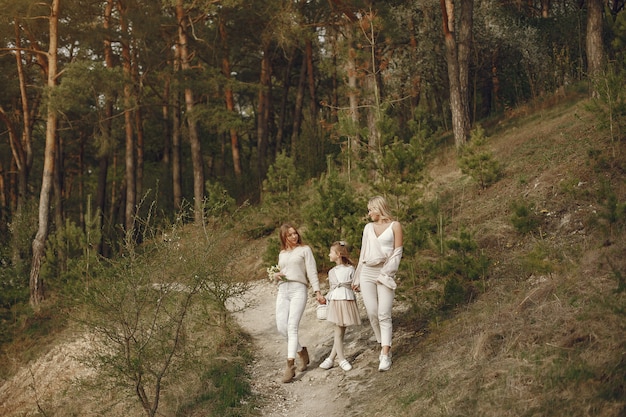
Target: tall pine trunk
139 145
24 155
194 139
229 99
297 112
129 156
280 133
177 174
103 158
36 286
458 104
465 47
353 97
177 187
263 111
594 48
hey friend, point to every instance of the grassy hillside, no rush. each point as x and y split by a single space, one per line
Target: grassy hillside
545 332
541 333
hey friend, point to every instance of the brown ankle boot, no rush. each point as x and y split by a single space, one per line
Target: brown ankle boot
290 371
304 359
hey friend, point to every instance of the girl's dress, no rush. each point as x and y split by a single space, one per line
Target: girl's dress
342 308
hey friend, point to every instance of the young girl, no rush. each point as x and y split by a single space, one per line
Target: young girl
342 308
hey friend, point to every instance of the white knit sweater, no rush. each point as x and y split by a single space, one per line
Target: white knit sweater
298 264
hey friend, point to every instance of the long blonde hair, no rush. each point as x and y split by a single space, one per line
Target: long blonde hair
379 204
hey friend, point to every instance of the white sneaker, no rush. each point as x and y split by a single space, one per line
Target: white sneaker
345 365
327 364
385 363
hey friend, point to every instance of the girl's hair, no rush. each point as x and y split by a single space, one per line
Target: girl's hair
379 204
284 231
342 249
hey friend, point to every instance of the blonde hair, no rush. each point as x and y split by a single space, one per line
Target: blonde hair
342 250
379 204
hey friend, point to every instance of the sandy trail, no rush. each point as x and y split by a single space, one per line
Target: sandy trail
314 392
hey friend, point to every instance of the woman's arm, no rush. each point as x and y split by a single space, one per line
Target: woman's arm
311 273
397 235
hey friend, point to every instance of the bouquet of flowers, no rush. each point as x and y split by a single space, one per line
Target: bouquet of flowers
271 273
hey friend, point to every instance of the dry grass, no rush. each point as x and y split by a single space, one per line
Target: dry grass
533 344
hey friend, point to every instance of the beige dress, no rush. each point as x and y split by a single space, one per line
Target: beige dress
342 308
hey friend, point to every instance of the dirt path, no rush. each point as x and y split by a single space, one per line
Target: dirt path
314 392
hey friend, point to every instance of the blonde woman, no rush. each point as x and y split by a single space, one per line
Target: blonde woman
381 251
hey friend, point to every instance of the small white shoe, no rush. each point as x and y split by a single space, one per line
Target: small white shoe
385 363
327 363
345 365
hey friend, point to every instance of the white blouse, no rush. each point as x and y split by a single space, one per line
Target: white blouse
340 280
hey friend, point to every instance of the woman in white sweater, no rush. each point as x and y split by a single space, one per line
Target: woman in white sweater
297 269
381 251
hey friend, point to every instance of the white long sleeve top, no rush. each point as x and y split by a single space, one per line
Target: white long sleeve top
340 281
298 264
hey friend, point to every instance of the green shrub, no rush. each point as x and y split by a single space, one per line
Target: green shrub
334 213
609 105
477 162
282 195
538 260
460 266
454 293
524 219
613 212
396 165
463 259
218 201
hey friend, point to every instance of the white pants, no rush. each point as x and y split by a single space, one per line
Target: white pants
290 305
378 300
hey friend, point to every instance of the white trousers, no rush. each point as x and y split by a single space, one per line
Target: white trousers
290 305
378 300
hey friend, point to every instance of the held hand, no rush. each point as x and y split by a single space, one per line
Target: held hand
356 288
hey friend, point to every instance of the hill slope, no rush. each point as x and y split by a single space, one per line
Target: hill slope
546 336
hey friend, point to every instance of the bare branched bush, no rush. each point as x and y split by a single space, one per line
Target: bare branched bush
159 310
